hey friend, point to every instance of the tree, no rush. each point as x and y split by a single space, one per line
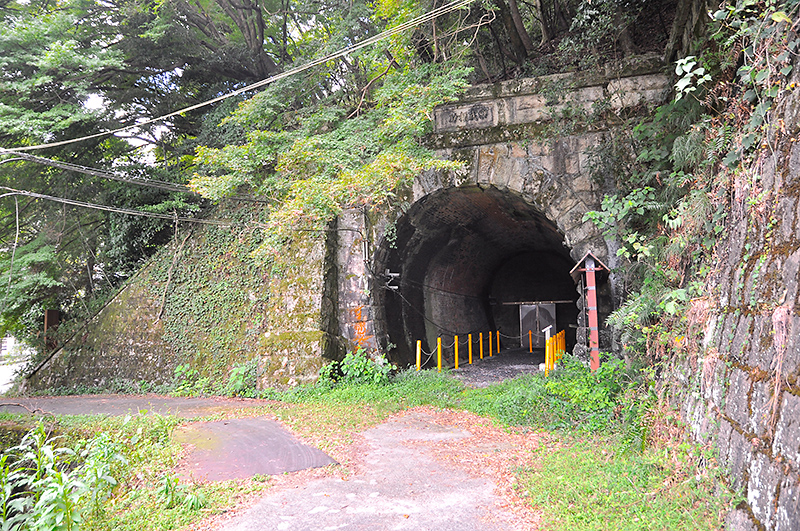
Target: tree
55 57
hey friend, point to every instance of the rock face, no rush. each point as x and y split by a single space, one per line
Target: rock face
739 387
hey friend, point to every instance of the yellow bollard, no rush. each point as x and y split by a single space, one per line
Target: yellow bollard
547 358
530 340
455 341
439 353
491 343
469 337
480 340
498 341
419 354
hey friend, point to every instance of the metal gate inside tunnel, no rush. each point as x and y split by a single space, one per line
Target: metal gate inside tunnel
533 320
459 262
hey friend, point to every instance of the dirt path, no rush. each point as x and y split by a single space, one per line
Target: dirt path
423 469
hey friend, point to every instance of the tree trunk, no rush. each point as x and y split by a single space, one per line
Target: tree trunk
518 50
248 17
547 31
520 26
624 37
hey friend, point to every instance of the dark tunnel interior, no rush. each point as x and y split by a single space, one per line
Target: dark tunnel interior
463 259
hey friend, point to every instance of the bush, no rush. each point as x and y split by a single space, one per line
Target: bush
357 368
42 486
573 397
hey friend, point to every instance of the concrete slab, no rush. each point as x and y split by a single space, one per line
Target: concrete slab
242 448
221 450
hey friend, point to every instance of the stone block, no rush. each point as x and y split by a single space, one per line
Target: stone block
517 151
714 380
739 520
572 164
789 211
736 407
739 455
742 337
487 164
581 182
528 108
761 352
762 488
787 516
517 178
630 91
791 360
760 407
786 441
458 117
724 442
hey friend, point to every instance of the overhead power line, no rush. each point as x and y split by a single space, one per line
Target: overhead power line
118 210
443 10
150 183
103 174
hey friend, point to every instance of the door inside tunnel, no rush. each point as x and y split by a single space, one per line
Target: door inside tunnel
462 260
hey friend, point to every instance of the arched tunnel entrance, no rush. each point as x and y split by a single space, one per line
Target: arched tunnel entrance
462 260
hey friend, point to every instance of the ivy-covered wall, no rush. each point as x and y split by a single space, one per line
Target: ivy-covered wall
207 303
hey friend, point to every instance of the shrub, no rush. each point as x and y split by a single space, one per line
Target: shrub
357 368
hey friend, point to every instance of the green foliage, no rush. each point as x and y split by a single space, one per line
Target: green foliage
596 25
691 76
357 368
319 160
671 205
243 380
572 398
189 382
42 487
172 493
215 303
50 60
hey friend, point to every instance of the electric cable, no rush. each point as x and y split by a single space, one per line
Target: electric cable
118 210
152 183
431 15
104 174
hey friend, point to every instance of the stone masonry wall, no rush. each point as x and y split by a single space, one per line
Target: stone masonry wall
739 388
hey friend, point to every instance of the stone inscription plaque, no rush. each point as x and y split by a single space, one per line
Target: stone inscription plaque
473 116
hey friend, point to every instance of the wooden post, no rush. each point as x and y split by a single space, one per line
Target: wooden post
591 305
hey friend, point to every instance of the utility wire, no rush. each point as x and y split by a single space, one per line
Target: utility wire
118 210
103 174
151 183
443 10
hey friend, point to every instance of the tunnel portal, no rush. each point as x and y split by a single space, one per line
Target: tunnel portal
461 261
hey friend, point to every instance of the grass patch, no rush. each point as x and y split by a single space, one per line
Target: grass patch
592 485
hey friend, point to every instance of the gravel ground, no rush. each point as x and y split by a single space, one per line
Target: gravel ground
503 366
